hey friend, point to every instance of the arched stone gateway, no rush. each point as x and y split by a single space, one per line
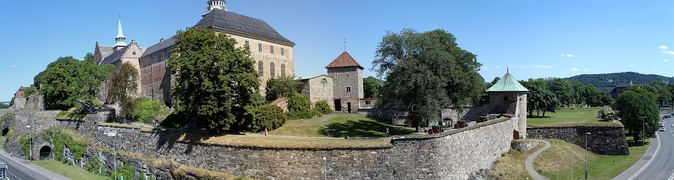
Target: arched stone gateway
5 131
46 153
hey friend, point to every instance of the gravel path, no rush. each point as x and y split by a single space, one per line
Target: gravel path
530 160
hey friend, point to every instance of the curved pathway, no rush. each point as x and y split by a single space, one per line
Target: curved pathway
530 160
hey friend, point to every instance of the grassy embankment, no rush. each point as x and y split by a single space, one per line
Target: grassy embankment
68 170
564 159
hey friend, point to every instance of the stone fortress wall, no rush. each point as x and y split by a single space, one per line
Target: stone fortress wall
469 153
609 140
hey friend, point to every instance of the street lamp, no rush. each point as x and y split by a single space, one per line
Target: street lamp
113 134
586 134
325 169
30 149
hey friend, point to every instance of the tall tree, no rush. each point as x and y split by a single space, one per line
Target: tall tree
123 82
281 86
560 88
215 80
372 87
638 111
425 72
539 98
68 79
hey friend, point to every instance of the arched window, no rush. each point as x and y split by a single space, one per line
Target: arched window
271 70
283 69
260 69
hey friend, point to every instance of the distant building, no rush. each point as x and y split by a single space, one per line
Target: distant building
615 93
273 53
318 88
19 92
120 54
347 76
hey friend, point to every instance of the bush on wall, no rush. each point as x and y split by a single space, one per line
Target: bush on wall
323 107
270 117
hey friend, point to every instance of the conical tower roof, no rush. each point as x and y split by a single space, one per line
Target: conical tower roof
507 83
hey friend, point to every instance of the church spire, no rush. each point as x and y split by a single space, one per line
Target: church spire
121 40
216 4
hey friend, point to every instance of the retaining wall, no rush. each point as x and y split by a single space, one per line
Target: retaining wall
602 140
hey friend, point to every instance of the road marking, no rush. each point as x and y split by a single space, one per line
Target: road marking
13 175
649 161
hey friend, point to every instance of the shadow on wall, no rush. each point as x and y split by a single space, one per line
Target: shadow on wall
167 139
363 128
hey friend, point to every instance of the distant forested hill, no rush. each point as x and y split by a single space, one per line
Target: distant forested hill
606 82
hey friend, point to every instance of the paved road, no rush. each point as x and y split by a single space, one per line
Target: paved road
529 162
25 170
658 162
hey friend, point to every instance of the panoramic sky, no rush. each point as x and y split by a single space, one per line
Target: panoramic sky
534 39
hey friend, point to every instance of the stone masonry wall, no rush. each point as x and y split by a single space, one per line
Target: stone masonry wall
456 156
602 140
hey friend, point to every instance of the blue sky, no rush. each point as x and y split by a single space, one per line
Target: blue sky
533 38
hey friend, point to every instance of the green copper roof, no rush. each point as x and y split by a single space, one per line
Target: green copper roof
507 84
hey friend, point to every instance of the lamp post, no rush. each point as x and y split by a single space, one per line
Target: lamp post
30 149
113 134
325 168
586 134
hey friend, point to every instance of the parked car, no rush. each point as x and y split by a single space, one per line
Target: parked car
662 129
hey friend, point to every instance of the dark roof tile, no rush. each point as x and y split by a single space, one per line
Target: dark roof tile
239 23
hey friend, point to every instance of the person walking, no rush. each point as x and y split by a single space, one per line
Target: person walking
265 131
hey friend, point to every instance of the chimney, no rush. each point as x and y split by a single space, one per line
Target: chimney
161 40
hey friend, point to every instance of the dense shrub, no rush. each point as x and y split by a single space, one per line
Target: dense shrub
323 107
61 139
143 110
270 117
298 102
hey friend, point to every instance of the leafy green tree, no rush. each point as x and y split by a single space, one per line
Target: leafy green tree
270 117
298 102
215 80
372 87
68 79
323 107
281 86
425 72
560 88
123 82
539 98
638 111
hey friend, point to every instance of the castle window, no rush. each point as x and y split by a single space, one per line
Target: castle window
159 58
247 43
324 82
271 49
283 53
259 47
134 52
271 70
168 54
348 89
260 68
368 102
505 98
283 69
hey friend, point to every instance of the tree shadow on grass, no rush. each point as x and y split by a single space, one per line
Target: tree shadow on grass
363 128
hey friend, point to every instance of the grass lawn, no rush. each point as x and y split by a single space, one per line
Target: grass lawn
69 171
568 115
569 159
351 124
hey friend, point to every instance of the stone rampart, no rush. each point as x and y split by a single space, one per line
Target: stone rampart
609 140
459 155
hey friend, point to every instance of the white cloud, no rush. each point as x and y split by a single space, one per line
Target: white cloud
497 67
543 66
575 69
668 52
655 70
569 55
485 67
665 60
13 65
585 70
663 47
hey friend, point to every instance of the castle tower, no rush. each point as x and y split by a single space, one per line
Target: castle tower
215 4
121 40
347 79
509 98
